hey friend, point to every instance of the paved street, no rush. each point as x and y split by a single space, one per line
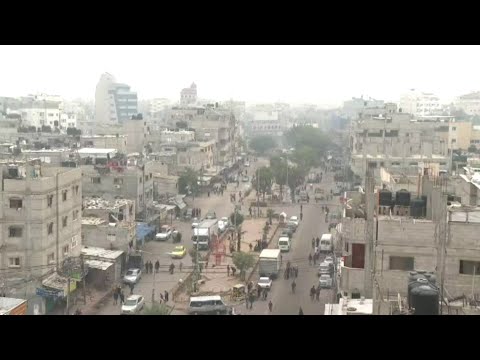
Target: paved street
154 250
284 302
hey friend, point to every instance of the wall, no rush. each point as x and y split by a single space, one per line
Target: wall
97 236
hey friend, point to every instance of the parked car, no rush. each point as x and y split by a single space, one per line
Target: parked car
188 214
195 223
325 281
265 283
211 215
287 233
223 224
294 219
178 252
164 234
133 305
325 268
132 276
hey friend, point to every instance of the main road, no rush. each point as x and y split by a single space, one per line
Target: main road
312 225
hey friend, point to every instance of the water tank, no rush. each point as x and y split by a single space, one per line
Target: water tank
385 197
414 280
416 208
425 299
402 198
431 277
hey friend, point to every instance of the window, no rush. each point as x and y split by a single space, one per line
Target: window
64 221
469 267
65 250
75 189
74 241
64 195
111 237
14 262
95 180
454 141
51 258
151 175
16 203
15 231
49 200
75 215
50 228
401 263
118 181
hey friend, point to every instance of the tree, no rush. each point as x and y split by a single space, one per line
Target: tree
238 219
188 182
296 176
261 144
243 261
279 171
472 149
157 309
262 181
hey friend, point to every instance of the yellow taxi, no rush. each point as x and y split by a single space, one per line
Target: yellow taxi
178 252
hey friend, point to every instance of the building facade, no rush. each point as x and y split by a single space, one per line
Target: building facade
188 95
420 103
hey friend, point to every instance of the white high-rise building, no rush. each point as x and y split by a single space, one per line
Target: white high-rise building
114 102
420 103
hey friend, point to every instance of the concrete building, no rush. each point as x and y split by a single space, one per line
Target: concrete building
470 103
379 257
108 224
188 95
136 130
176 136
117 141
40 222
267 123
129 179
114 102
420 103
351 108
157 106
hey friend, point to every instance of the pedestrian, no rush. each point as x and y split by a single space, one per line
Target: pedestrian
250 211
251 299
259 291
208 193
115 297
172 268
249 286
315 256
313 243
301 216
180 266
166 295
296 271
233 270
122 297
317 241
300 312
312 292
317 294
301 208
132 286
270 306
228 270
294 286
250 246
157 266
265 294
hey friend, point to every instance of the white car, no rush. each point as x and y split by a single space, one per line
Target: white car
132 276
164 234
325 281
294 219
195 223
247 164
265 283
223 224
133 305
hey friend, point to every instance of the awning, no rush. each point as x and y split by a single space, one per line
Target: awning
59 283
97 264
143 230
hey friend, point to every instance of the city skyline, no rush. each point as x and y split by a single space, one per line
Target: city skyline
323 75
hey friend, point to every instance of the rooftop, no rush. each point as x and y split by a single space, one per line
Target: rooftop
92 221
7 304
99 203
101 253
350 307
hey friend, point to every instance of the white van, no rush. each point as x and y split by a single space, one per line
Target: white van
284 243
326 243
207 305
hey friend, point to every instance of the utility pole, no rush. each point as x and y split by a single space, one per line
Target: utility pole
82 264
258 189
68 295
369 244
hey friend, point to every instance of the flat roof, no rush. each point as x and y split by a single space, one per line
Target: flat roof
92 221
205 298
100 203
7 304
101 252
95 151
269 253
97 264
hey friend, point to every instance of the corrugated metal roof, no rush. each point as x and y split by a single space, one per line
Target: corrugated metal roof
101 253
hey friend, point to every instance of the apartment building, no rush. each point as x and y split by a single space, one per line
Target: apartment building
420 103
136 131
188 95
267 123
130 178
40 220
351 108
401 239
109 224
470 103
116 141
176 136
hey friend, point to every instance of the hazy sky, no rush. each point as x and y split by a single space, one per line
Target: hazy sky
296 74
